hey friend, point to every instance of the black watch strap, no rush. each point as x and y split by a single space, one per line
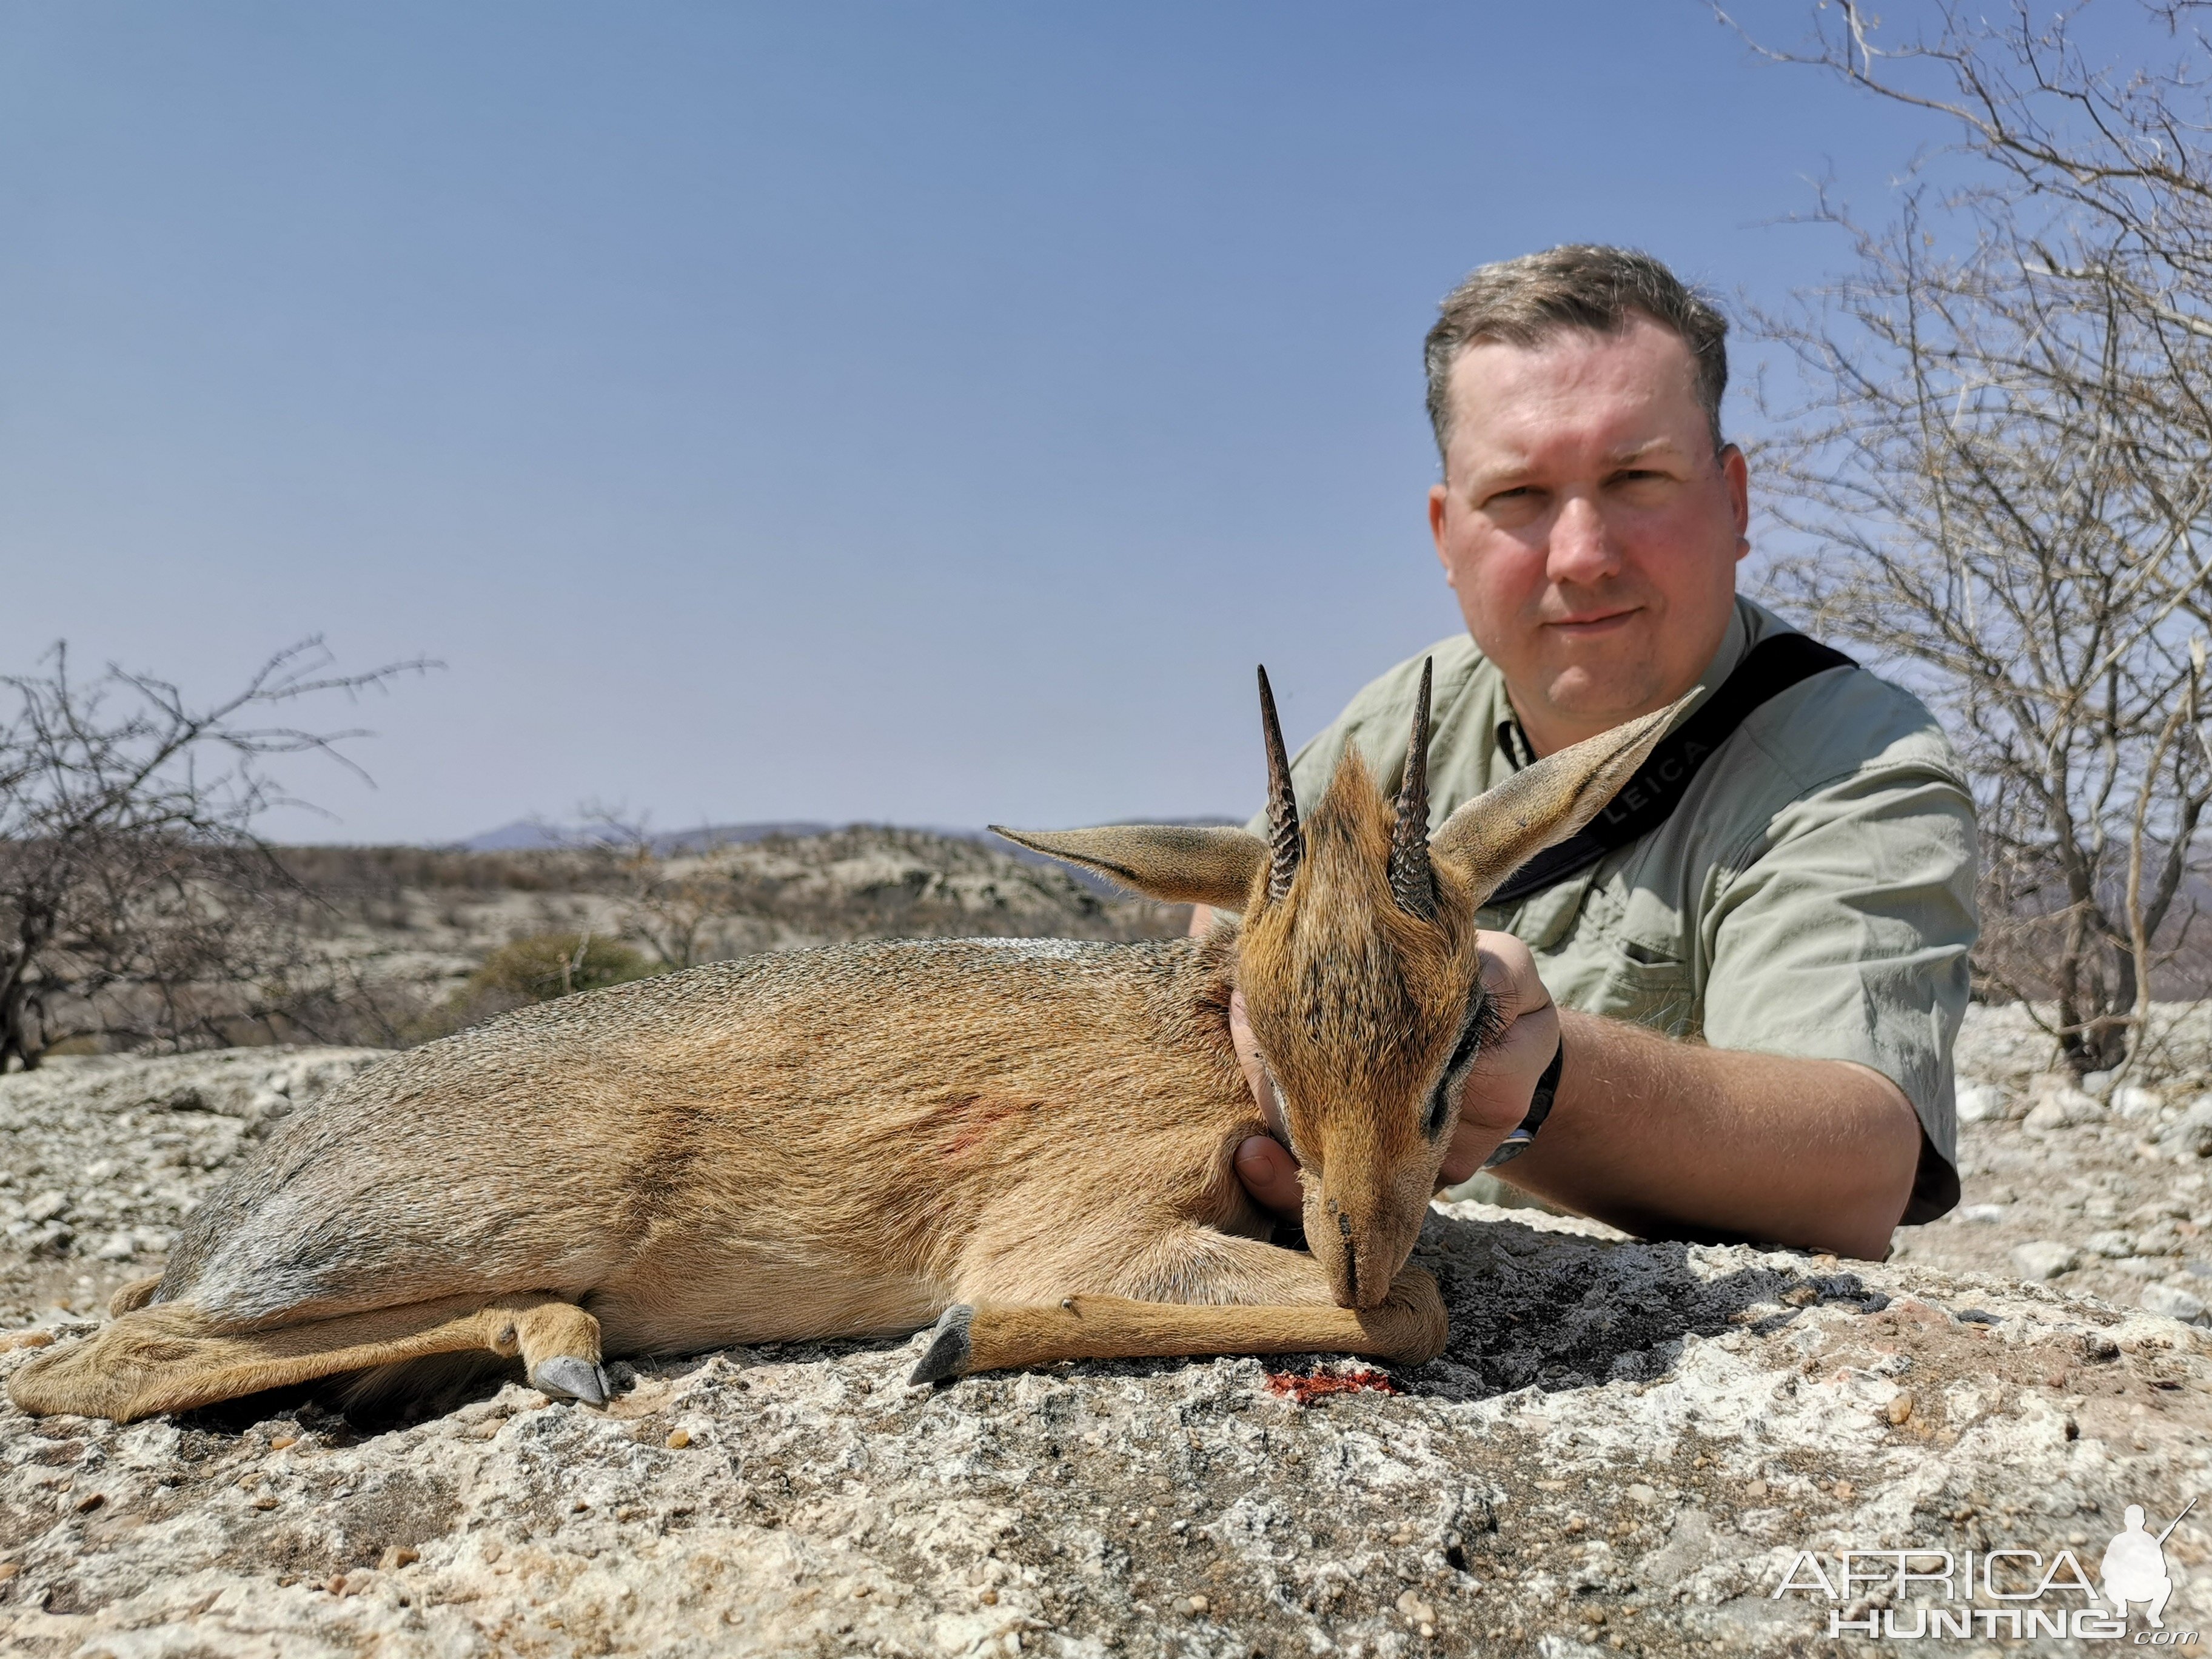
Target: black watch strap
1539 1108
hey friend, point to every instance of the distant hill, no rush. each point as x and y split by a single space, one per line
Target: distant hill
535 835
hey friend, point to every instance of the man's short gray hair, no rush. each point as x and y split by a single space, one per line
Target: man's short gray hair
1525 302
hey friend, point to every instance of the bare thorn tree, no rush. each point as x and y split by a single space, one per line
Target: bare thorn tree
136 903
1999 477
674 893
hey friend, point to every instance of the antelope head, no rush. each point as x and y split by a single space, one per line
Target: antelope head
1356 958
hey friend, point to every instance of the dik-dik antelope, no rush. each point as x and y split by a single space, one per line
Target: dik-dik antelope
1028 1142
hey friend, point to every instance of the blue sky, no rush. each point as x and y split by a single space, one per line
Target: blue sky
916 413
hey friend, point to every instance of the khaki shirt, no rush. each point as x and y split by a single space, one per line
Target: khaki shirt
1813 893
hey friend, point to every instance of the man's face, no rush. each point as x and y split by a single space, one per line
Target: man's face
1588 529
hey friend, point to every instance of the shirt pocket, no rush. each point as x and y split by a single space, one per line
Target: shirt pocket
1647 986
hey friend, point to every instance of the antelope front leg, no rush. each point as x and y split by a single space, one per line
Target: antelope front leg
1258 1300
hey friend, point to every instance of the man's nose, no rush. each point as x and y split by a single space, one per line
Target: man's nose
1582 549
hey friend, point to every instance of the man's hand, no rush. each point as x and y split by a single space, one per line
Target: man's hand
1492 1102
1503 1078
1664 1139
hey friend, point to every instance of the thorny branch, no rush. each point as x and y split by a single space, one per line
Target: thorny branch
136 903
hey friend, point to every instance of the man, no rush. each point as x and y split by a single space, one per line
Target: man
1753 1004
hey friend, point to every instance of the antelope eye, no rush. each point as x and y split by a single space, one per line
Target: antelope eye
1471 1033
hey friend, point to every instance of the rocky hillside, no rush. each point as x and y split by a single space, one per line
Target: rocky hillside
412 923
874 882
1626 1449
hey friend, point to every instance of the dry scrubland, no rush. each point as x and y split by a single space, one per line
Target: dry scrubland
430 915
1622 1451
416 925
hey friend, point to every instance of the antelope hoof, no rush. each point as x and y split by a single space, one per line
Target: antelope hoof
947 1356
564 1376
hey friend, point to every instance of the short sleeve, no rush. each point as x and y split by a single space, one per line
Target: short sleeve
1844 934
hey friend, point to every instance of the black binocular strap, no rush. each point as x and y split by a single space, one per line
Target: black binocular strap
1649 798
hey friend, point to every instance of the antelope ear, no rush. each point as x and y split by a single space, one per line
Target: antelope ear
1496 832
1178 863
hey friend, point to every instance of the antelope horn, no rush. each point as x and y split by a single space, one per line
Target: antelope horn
1284 844
1412 878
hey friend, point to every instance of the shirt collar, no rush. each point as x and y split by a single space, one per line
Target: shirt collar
1518 752
1513 744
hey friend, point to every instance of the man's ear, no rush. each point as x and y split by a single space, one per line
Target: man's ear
1496 832
1439 504
1178 863
1735 471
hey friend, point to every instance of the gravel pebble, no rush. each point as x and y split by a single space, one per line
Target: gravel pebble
2045 1258
2174 1303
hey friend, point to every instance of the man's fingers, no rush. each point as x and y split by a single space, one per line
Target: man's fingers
1270 1174
1509 974
1495 1098
1480 1133
1255 1067
1263 1163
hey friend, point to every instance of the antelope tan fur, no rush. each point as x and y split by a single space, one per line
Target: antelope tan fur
1028 1142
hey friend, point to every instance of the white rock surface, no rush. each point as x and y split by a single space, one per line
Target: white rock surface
1622 1451
1645 1432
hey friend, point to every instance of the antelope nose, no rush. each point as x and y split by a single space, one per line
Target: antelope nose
1359 1269
1347 1289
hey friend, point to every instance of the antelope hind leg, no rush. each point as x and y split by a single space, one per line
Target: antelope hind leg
133 1296
1408 1328
167 1357
560 1346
